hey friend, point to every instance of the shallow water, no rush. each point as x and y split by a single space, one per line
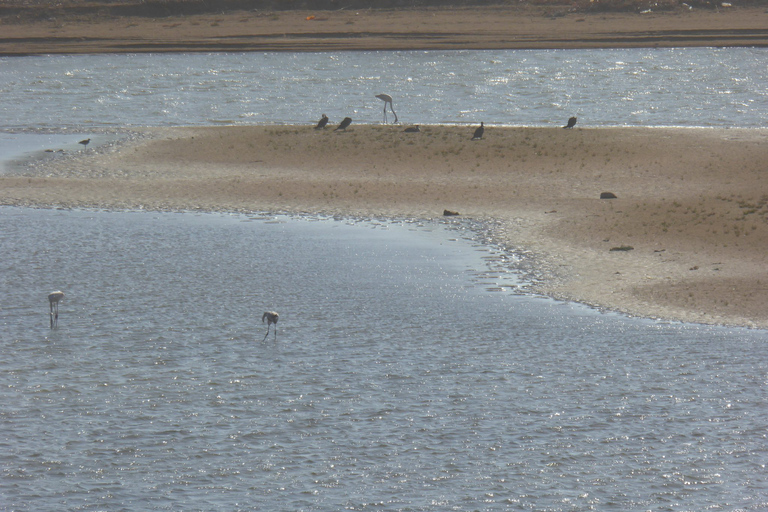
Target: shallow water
21 147
396 380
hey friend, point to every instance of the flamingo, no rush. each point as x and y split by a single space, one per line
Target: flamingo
271 318
386 98
53 300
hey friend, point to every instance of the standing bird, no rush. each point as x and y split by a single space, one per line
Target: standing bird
571 123
386 98
271 318
344 124
322 122
53 300
479 132
85 142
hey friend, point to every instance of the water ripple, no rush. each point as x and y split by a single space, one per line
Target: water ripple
396 380
720 87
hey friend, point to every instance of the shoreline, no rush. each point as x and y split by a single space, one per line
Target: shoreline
71 31
693 235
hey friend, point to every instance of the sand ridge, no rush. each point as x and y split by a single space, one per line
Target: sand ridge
684 239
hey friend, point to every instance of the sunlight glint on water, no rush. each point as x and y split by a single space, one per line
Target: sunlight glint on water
396 381
719 87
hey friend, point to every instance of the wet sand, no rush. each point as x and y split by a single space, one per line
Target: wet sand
684 239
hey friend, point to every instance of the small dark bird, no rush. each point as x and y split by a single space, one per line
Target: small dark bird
85 142
479 132
571 123
344 124
412 129
322 122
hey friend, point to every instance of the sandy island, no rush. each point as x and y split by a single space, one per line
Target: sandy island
684 239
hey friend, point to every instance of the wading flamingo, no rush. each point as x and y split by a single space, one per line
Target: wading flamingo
271 317
53 300
386 98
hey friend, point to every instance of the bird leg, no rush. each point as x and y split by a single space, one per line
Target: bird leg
54 314
393 111
266 335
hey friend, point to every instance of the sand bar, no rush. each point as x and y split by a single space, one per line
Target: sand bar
684 239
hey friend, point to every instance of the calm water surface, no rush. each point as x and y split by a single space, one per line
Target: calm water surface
397 380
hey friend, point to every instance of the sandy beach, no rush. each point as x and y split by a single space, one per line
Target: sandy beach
684 239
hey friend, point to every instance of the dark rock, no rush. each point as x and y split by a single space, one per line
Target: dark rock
607 195
449 213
